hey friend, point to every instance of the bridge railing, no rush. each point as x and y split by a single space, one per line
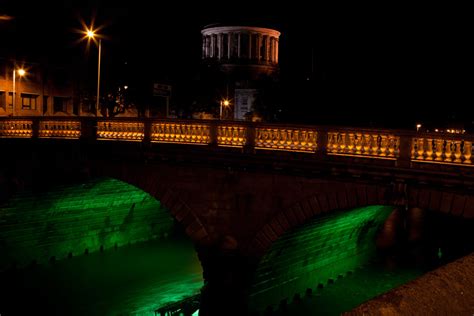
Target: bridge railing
449 149
363 143
404 147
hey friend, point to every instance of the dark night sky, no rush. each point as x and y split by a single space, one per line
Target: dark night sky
370 60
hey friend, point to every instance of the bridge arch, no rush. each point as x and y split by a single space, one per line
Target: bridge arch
349 196
150 180
333 198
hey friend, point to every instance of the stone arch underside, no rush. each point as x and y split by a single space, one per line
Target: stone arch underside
323 248
72 219
355 195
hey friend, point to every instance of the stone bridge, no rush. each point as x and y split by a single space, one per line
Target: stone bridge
235 186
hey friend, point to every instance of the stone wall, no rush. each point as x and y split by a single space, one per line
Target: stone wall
74 219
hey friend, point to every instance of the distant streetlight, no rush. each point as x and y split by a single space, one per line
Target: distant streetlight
225 103
418 126
21 73
90 33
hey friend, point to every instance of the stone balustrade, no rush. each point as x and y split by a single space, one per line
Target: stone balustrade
188 133
120 130
289 139
60 129
231 135
363 143
16 128
403 147
435 149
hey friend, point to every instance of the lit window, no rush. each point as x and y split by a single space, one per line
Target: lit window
28 101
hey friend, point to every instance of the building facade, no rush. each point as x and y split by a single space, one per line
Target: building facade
41 90
245 58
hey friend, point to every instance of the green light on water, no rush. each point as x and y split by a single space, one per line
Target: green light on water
133 280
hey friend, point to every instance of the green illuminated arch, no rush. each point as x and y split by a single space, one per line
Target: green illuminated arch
77 218
316 251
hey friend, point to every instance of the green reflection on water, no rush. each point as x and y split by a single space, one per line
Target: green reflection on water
350 291
133 280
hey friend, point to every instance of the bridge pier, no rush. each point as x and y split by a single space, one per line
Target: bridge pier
227 276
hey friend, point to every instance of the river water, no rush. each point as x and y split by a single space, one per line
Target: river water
132 280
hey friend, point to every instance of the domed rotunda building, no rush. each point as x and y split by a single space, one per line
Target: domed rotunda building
245 58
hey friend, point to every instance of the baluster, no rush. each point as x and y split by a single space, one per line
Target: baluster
229 134
457 151
383 145
330 144
429 149
302 139
391 146
341 142
438 150
378 151
414 153
235 136
306 142
358 145
296 140
365 144
284 138
290 135
371 144
466 153
223 133
241 139
350 143
268 138
168 132
421 148
258 137
312 140
232 135
448 151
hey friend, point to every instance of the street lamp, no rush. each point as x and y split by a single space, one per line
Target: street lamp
21 73
90 33
225 103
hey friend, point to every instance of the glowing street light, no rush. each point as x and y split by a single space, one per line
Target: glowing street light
21 73
418 126
91 35
225 103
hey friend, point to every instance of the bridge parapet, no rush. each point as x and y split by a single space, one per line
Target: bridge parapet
16 128
120 130
180 132
403 147
446 150
60 129
367 143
